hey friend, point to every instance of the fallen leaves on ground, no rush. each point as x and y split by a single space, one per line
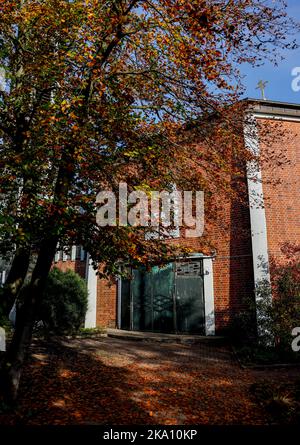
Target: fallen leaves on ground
117 382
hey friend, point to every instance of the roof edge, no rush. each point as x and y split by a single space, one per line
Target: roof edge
273 108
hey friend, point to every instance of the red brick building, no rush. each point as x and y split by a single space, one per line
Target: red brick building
202 294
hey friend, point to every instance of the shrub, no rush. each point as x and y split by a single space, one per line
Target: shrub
277 308
281 313
286 306
243 325
64 304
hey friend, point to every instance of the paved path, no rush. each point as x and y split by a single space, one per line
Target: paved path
114 381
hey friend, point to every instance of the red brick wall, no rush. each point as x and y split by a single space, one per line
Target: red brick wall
233 267
106 303
282 201
77 266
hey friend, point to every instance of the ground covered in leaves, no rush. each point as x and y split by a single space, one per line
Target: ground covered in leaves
115 382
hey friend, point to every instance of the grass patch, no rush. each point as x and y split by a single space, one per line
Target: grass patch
91 332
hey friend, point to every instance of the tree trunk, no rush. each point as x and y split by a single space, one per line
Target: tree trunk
29 299
31 295
11 366
15 279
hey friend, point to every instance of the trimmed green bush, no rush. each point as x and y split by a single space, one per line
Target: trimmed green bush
64 304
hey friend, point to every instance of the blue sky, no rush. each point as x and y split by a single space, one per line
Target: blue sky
279 78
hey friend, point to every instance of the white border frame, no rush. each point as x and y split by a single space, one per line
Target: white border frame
208 291
92 279
209 298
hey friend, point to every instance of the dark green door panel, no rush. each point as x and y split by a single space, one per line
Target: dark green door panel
164 299
125 304
162 280
189 304
189 296
152 299
138 300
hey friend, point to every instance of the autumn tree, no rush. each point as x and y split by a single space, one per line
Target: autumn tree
97 92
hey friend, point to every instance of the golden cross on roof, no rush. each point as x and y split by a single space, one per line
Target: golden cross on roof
261 86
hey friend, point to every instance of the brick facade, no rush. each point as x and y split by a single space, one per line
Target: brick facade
106 303
77 266
233 270
282 202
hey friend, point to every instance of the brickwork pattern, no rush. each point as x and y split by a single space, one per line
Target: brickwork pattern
233 265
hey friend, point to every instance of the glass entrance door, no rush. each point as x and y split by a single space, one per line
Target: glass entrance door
189 297
164 299
152 299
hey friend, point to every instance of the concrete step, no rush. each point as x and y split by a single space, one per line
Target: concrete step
165 338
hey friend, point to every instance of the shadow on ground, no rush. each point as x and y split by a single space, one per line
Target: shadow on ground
66 385
115 382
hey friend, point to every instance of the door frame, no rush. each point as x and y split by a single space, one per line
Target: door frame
208 293
200 295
